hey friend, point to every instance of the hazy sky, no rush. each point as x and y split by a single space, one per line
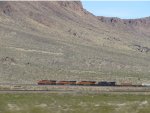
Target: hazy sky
121 9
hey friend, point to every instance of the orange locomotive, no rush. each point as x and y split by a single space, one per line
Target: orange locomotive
47 82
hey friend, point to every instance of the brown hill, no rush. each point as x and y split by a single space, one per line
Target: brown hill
61 40
141 25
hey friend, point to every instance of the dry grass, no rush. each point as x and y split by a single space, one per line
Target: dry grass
74 103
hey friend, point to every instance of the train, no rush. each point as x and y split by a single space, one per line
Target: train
91 83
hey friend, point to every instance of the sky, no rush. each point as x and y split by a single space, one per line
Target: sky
121 9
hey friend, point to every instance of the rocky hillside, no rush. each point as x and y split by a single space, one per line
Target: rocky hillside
62 40
141 25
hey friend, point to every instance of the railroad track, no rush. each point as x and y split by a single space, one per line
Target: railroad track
35 88
71 92
88 89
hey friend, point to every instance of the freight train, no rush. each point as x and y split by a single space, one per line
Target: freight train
91 83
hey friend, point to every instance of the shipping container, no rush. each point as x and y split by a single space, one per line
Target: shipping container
47 82
89 83
105 83
66 83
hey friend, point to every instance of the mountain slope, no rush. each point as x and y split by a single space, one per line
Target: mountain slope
61 40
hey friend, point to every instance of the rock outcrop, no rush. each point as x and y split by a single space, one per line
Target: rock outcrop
113 20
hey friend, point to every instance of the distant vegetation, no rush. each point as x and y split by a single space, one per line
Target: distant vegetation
76 103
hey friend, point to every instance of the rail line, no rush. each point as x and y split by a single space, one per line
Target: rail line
71 92
33 88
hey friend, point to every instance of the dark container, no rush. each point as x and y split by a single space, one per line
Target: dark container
105 83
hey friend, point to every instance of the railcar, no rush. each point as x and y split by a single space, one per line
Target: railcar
105 83
66 83
126 84
47 82
145 85
87 83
